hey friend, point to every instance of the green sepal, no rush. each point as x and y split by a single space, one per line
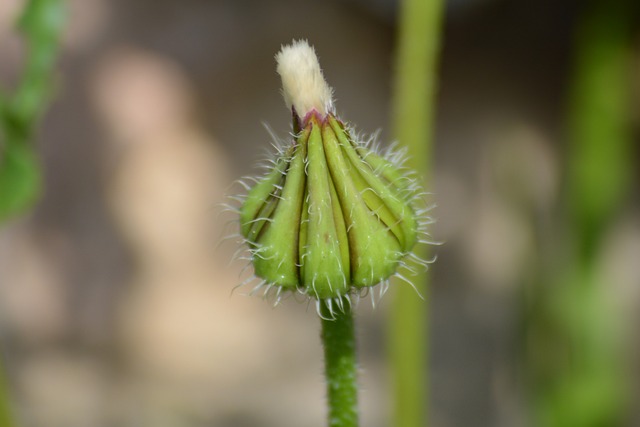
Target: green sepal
275 258
327 219
385 200
325 270
258 197
374 250
382 167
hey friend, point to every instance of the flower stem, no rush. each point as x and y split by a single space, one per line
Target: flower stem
338 339
414 93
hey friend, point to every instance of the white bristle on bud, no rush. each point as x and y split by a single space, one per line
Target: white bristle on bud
303 85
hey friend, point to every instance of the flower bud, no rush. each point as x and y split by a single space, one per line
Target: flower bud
332 216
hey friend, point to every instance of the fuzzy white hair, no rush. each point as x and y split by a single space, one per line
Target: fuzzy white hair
303 85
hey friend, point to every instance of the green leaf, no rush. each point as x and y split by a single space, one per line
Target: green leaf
41 25
20 180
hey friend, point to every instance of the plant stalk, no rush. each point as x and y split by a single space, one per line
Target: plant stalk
338 340
415 85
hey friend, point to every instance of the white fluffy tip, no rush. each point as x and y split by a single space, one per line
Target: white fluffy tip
303 85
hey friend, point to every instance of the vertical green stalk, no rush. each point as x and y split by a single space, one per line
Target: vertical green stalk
592 392
338 340
415 85
599 121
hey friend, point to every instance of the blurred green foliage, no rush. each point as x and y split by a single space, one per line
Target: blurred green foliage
575 342
20 177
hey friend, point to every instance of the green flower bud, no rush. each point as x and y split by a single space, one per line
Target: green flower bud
332 216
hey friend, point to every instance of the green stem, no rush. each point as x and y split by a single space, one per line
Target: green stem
600 165
338 339
415 85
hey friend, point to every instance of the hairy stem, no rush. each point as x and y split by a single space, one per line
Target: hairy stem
338 339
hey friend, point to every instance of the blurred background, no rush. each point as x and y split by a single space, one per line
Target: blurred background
115 304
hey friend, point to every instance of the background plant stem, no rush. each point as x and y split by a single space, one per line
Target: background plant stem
338 339
417 53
